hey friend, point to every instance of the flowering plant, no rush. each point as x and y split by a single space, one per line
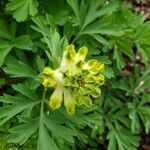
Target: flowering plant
54 96
76 81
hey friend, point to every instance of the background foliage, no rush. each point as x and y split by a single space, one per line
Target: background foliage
33 34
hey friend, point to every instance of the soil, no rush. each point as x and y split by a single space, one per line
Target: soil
142 7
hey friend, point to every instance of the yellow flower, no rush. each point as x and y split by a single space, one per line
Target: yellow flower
87 101
49 82
68 59
75 81
69 102
56 98
48 71
72 62
51 77
81 54
93 66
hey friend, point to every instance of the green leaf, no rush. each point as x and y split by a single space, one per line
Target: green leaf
59 12
144 114
100 39
135 123
123 139
21 133
3 141
118 57
22 8
145 52
55 43
59 131
108 30
7 112
40 63
126 48
5 48
85 16
42 25
45 142
2 81
25 90
23 42
19 69
75 6
108 72
92 12
4 30
8 99
112 141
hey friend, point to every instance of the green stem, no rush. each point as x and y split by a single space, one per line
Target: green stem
77 36
42 109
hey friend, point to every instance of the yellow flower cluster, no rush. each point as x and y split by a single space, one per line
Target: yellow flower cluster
75 82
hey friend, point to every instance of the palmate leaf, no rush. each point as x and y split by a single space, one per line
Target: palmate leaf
60 132
139 111
22 8
3 141
106 30
52 134
18 104
51 37
108 72
7 112
25 90
145 52
119 59
144 114
135 120
21 42
45 142
5 48
8 33
75 6
94 11
59 12
90 20
21 133
4 30
100 39
17 68
117 117
40 63
57 127
122 140
125 48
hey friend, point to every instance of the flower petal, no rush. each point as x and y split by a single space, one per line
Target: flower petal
87 101
81 54
49 79
69 102
56 98
69 53
96 92
101 79
49 82
68 59
48 71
